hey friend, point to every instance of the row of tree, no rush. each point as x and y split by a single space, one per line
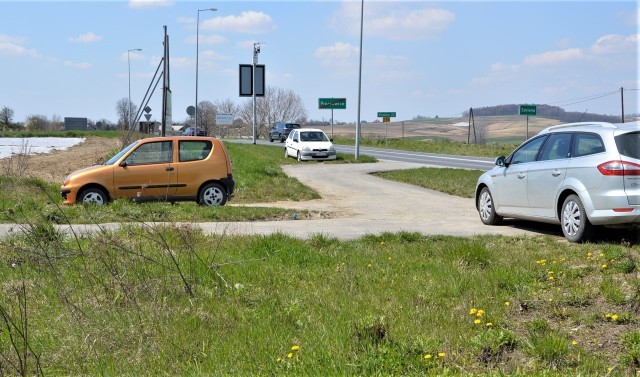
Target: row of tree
277 105
547 111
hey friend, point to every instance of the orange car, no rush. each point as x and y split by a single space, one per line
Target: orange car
159 168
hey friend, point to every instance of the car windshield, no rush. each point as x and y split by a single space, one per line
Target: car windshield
115 158
629 144
313 136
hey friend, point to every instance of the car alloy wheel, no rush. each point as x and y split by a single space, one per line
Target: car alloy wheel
213 195
93 196
486 208
575 224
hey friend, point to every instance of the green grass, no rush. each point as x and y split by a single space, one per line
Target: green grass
458 182
174 301
434 146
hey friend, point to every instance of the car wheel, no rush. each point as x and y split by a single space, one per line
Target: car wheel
286 155
575 224
93 196
212 195
486 208
299 156
270 139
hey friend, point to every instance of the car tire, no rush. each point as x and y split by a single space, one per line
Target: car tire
486 208
270 139
212 194
299 156
93 195
286 155
576 227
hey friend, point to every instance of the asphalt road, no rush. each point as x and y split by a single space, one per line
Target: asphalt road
431 159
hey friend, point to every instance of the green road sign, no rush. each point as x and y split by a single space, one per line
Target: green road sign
332 103
391 114
528 109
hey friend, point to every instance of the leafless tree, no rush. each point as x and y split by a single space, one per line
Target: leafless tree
36 123
277 105
206 116
226 107
56 123
122 110
6 114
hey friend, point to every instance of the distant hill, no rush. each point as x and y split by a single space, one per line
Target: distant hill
546 111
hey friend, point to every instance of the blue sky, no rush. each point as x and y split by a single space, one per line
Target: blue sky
69 59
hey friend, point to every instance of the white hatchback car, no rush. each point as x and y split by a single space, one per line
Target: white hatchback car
308 144
578 175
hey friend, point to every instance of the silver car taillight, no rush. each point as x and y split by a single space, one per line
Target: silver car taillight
621 168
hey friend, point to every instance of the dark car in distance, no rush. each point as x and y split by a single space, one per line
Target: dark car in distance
194 131
281 130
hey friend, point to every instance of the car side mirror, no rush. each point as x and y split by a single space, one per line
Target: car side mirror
331 140
500 161
124 164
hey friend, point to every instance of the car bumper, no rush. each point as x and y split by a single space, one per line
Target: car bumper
610 217
317 156
68 196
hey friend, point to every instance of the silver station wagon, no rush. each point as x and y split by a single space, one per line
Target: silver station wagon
578 175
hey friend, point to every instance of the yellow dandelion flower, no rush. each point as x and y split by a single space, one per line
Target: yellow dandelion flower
614 317
473 311
290 355
574 343
507 303
477 321
489 324
427 356
369 265
589 254
608 315
601 254
278 359
295 348
604 266
480 313
551 278
441 354
381 242
550 300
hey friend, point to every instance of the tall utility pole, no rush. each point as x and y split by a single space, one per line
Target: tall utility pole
357 151
129 66
256 51
197 56
622 101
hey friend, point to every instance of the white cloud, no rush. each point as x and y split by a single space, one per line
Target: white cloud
613 43
247 22
13 46
86 38
385 20
145 4
339 53
70 64
212 55
554 57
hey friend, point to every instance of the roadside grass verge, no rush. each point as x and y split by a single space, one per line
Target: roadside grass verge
257 171
458 182
439 146
152 300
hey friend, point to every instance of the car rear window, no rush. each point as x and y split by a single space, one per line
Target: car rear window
292 125
194 150
629 144
586 144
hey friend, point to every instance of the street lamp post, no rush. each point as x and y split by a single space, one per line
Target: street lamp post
129 66
197 56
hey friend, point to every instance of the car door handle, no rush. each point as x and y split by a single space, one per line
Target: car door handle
556 173
170 168
521 175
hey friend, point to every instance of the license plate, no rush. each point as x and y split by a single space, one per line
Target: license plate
321 155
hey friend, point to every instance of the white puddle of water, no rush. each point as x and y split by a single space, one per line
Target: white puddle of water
32 145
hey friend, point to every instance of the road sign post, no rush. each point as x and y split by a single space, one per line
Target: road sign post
332 103
528 110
